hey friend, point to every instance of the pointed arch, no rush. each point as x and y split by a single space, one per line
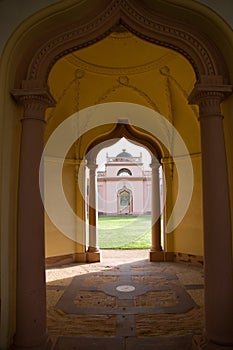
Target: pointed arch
146 23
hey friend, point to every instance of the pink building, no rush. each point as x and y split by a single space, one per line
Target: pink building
124 188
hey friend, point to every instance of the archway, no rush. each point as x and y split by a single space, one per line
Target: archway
211 88
137 135
125 201
124 188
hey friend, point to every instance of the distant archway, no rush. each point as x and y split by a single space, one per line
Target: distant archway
124 172
142 138
125 201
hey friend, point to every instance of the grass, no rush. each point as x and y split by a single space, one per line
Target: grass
124 232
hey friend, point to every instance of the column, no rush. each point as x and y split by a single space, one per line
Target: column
93 254
168 198
31 332
80 191
156 253
217 226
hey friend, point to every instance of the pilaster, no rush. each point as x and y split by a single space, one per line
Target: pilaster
80 190
93 254
31 332
156 253
217 223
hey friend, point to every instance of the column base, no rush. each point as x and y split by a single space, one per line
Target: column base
157 256
94 256
201 343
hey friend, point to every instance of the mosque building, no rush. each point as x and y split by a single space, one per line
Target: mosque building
124 187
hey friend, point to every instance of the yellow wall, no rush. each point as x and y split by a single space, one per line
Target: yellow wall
159 79
188 236
56 242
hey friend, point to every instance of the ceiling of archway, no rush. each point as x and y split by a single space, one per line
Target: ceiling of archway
125 68
123 50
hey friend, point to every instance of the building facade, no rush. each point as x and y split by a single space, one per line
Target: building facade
124 187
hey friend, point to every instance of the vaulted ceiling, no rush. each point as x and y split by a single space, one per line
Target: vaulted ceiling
125 68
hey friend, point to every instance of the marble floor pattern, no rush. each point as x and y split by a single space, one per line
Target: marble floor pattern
124 302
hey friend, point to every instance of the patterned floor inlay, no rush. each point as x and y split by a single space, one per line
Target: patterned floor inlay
123 305
83 297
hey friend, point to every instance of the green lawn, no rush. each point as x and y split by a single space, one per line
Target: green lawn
124 232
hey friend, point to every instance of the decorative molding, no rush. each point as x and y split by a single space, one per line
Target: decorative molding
76 81
94 68
128 131
109 91
123 81
199 342
176 36
150 26
79 74
66 161
170 160
161 30
167 73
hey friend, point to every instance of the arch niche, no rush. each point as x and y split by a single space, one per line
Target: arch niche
81 26
124 201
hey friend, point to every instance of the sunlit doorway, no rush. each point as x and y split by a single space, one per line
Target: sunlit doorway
124 196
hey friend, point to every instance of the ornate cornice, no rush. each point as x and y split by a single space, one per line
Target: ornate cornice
165 32
148 25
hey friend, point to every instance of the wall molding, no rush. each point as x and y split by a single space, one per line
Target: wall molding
145 23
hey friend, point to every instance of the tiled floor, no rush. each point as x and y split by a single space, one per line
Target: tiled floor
125 302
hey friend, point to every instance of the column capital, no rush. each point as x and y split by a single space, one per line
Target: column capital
155 164
92 166
209 97
35 99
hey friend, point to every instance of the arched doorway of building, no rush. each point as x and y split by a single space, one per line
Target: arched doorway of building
117 164
212 86
124 200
